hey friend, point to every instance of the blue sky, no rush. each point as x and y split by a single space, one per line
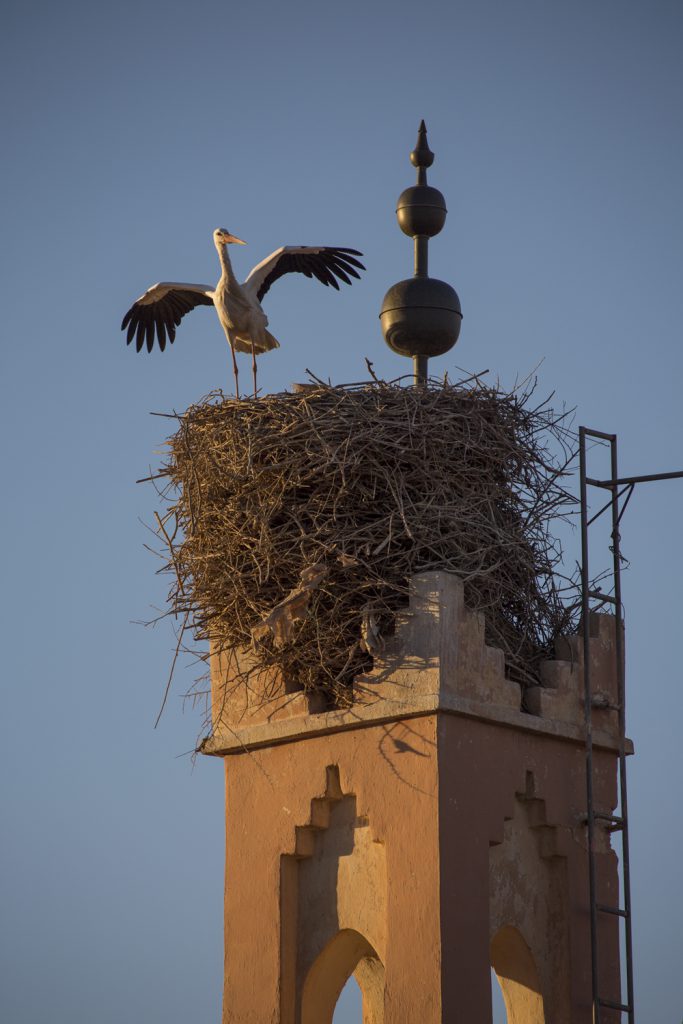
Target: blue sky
132 130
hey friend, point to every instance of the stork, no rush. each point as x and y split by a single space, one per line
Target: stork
159 311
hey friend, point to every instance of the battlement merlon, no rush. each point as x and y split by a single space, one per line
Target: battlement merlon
437 661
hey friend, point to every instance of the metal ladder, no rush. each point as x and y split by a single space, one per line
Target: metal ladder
616 823
619 488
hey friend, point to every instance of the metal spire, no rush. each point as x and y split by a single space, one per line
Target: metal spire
421 316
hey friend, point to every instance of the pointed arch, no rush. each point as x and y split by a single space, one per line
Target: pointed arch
346 954
517 974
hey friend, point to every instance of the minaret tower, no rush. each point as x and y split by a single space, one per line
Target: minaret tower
428 829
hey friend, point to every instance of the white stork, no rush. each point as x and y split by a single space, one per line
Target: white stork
162 307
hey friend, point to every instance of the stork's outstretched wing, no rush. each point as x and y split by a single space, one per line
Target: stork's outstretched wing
327 263
161 308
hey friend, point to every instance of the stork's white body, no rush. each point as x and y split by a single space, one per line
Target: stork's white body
239 311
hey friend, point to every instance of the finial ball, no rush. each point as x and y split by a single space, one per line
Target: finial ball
421 210
421 316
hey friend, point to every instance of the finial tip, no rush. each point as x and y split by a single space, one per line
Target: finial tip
422 155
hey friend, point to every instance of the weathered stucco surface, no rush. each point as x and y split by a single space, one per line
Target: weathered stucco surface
428 831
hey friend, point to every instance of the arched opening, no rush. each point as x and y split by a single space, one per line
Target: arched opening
346 954
517 975
349 1008
499 1013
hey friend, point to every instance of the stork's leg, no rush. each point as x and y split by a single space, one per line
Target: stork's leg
234 367
253 364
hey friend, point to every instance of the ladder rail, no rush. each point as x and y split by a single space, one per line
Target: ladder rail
621 701
588 713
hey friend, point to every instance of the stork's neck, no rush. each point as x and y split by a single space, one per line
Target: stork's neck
228 272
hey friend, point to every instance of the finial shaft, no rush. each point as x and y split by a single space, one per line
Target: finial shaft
421 255
420 370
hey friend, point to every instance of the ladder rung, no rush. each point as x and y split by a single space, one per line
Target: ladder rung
611 910
598 595
616 823
624 1007
614 819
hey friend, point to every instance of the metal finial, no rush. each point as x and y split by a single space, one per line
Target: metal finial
421 316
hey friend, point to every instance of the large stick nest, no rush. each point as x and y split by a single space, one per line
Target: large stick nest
295 521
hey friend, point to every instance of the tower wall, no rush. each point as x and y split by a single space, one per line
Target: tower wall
419 836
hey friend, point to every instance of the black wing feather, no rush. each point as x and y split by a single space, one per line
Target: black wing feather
329 266
140 336
340 273
147 320
339 262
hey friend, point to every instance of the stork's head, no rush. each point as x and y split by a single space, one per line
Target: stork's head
222 236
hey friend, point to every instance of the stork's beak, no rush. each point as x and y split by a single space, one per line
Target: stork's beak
234 238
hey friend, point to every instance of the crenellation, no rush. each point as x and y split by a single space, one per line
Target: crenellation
437 659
